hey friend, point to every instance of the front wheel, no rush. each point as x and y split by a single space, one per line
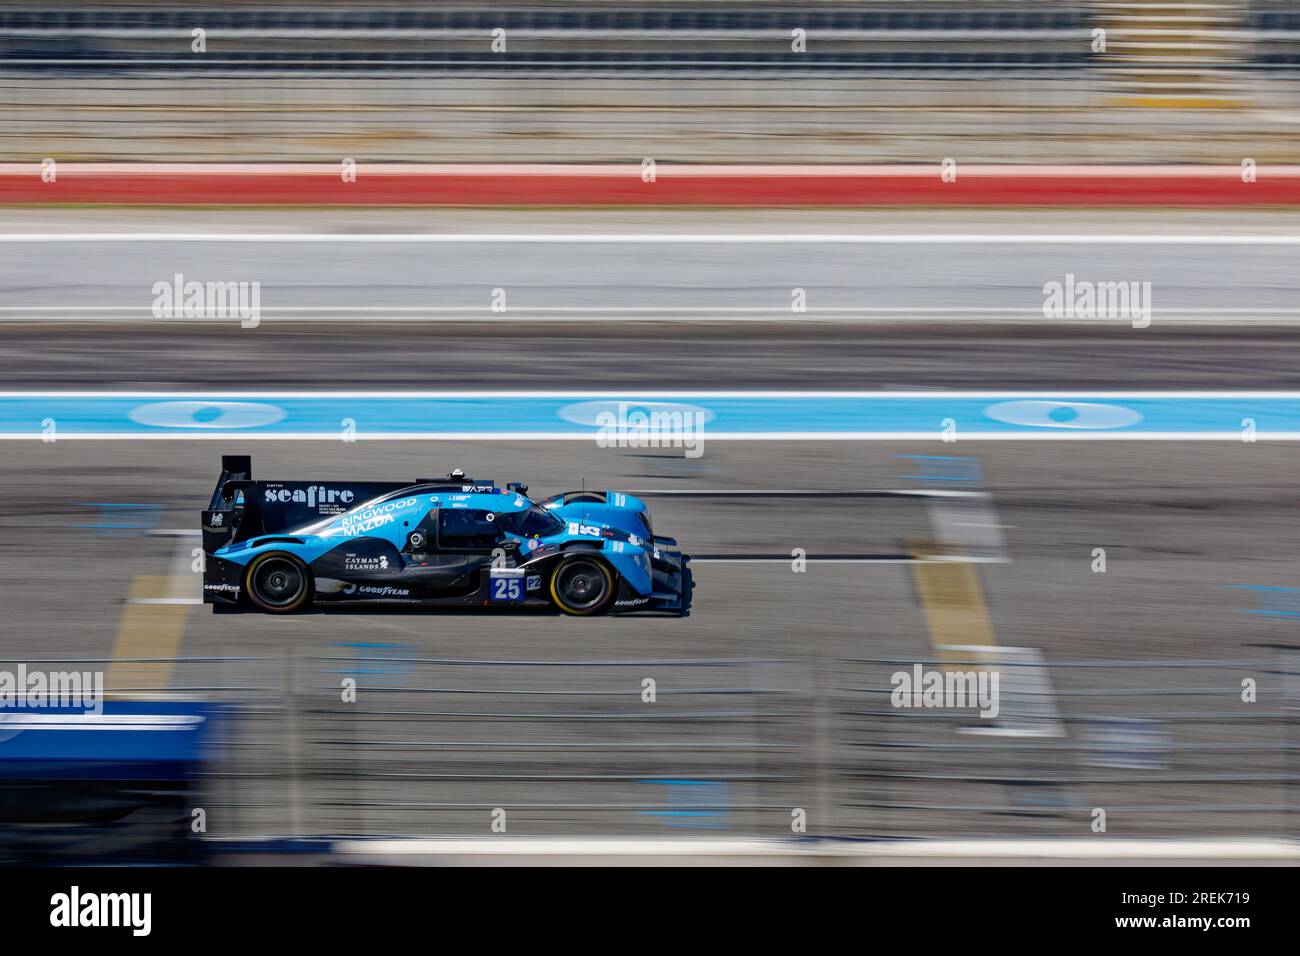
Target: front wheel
278 583
582 585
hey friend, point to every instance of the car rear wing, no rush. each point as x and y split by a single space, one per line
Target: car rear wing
228 512
242 508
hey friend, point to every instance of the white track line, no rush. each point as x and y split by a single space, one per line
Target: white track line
668 238
349 311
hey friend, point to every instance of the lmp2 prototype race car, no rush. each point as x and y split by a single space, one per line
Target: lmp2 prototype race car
280 546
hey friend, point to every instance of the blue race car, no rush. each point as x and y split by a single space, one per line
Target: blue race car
280 546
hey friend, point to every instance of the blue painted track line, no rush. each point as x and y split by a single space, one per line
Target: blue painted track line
741 415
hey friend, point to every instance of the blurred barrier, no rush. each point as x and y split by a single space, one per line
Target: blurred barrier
534 37
445 747
1164 748
666 185
986 81
366 741
1194 42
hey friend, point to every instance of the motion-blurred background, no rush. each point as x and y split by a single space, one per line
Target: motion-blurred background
680 80
774 690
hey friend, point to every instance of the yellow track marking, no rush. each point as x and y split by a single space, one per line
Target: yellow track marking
148 630
1176 102
953 603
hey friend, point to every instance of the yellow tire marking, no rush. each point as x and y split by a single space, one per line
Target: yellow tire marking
609 584
248 590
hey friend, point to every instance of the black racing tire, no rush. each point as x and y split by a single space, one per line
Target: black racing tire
583 585
277 583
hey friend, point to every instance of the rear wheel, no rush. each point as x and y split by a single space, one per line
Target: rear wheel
278 583
582 585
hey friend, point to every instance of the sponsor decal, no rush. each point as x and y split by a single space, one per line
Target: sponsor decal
218 519
232 588
632 602
368 519
355 562
314 496
578 529
349 530
383 591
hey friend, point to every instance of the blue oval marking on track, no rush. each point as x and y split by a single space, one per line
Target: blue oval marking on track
207 414
1041 413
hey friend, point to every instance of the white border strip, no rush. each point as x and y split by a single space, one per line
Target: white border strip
1099 849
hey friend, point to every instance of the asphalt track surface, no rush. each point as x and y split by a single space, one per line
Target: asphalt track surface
746 275
806 355
1190 532
656 315
1179 520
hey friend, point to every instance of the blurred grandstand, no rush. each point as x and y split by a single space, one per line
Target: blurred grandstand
679 80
